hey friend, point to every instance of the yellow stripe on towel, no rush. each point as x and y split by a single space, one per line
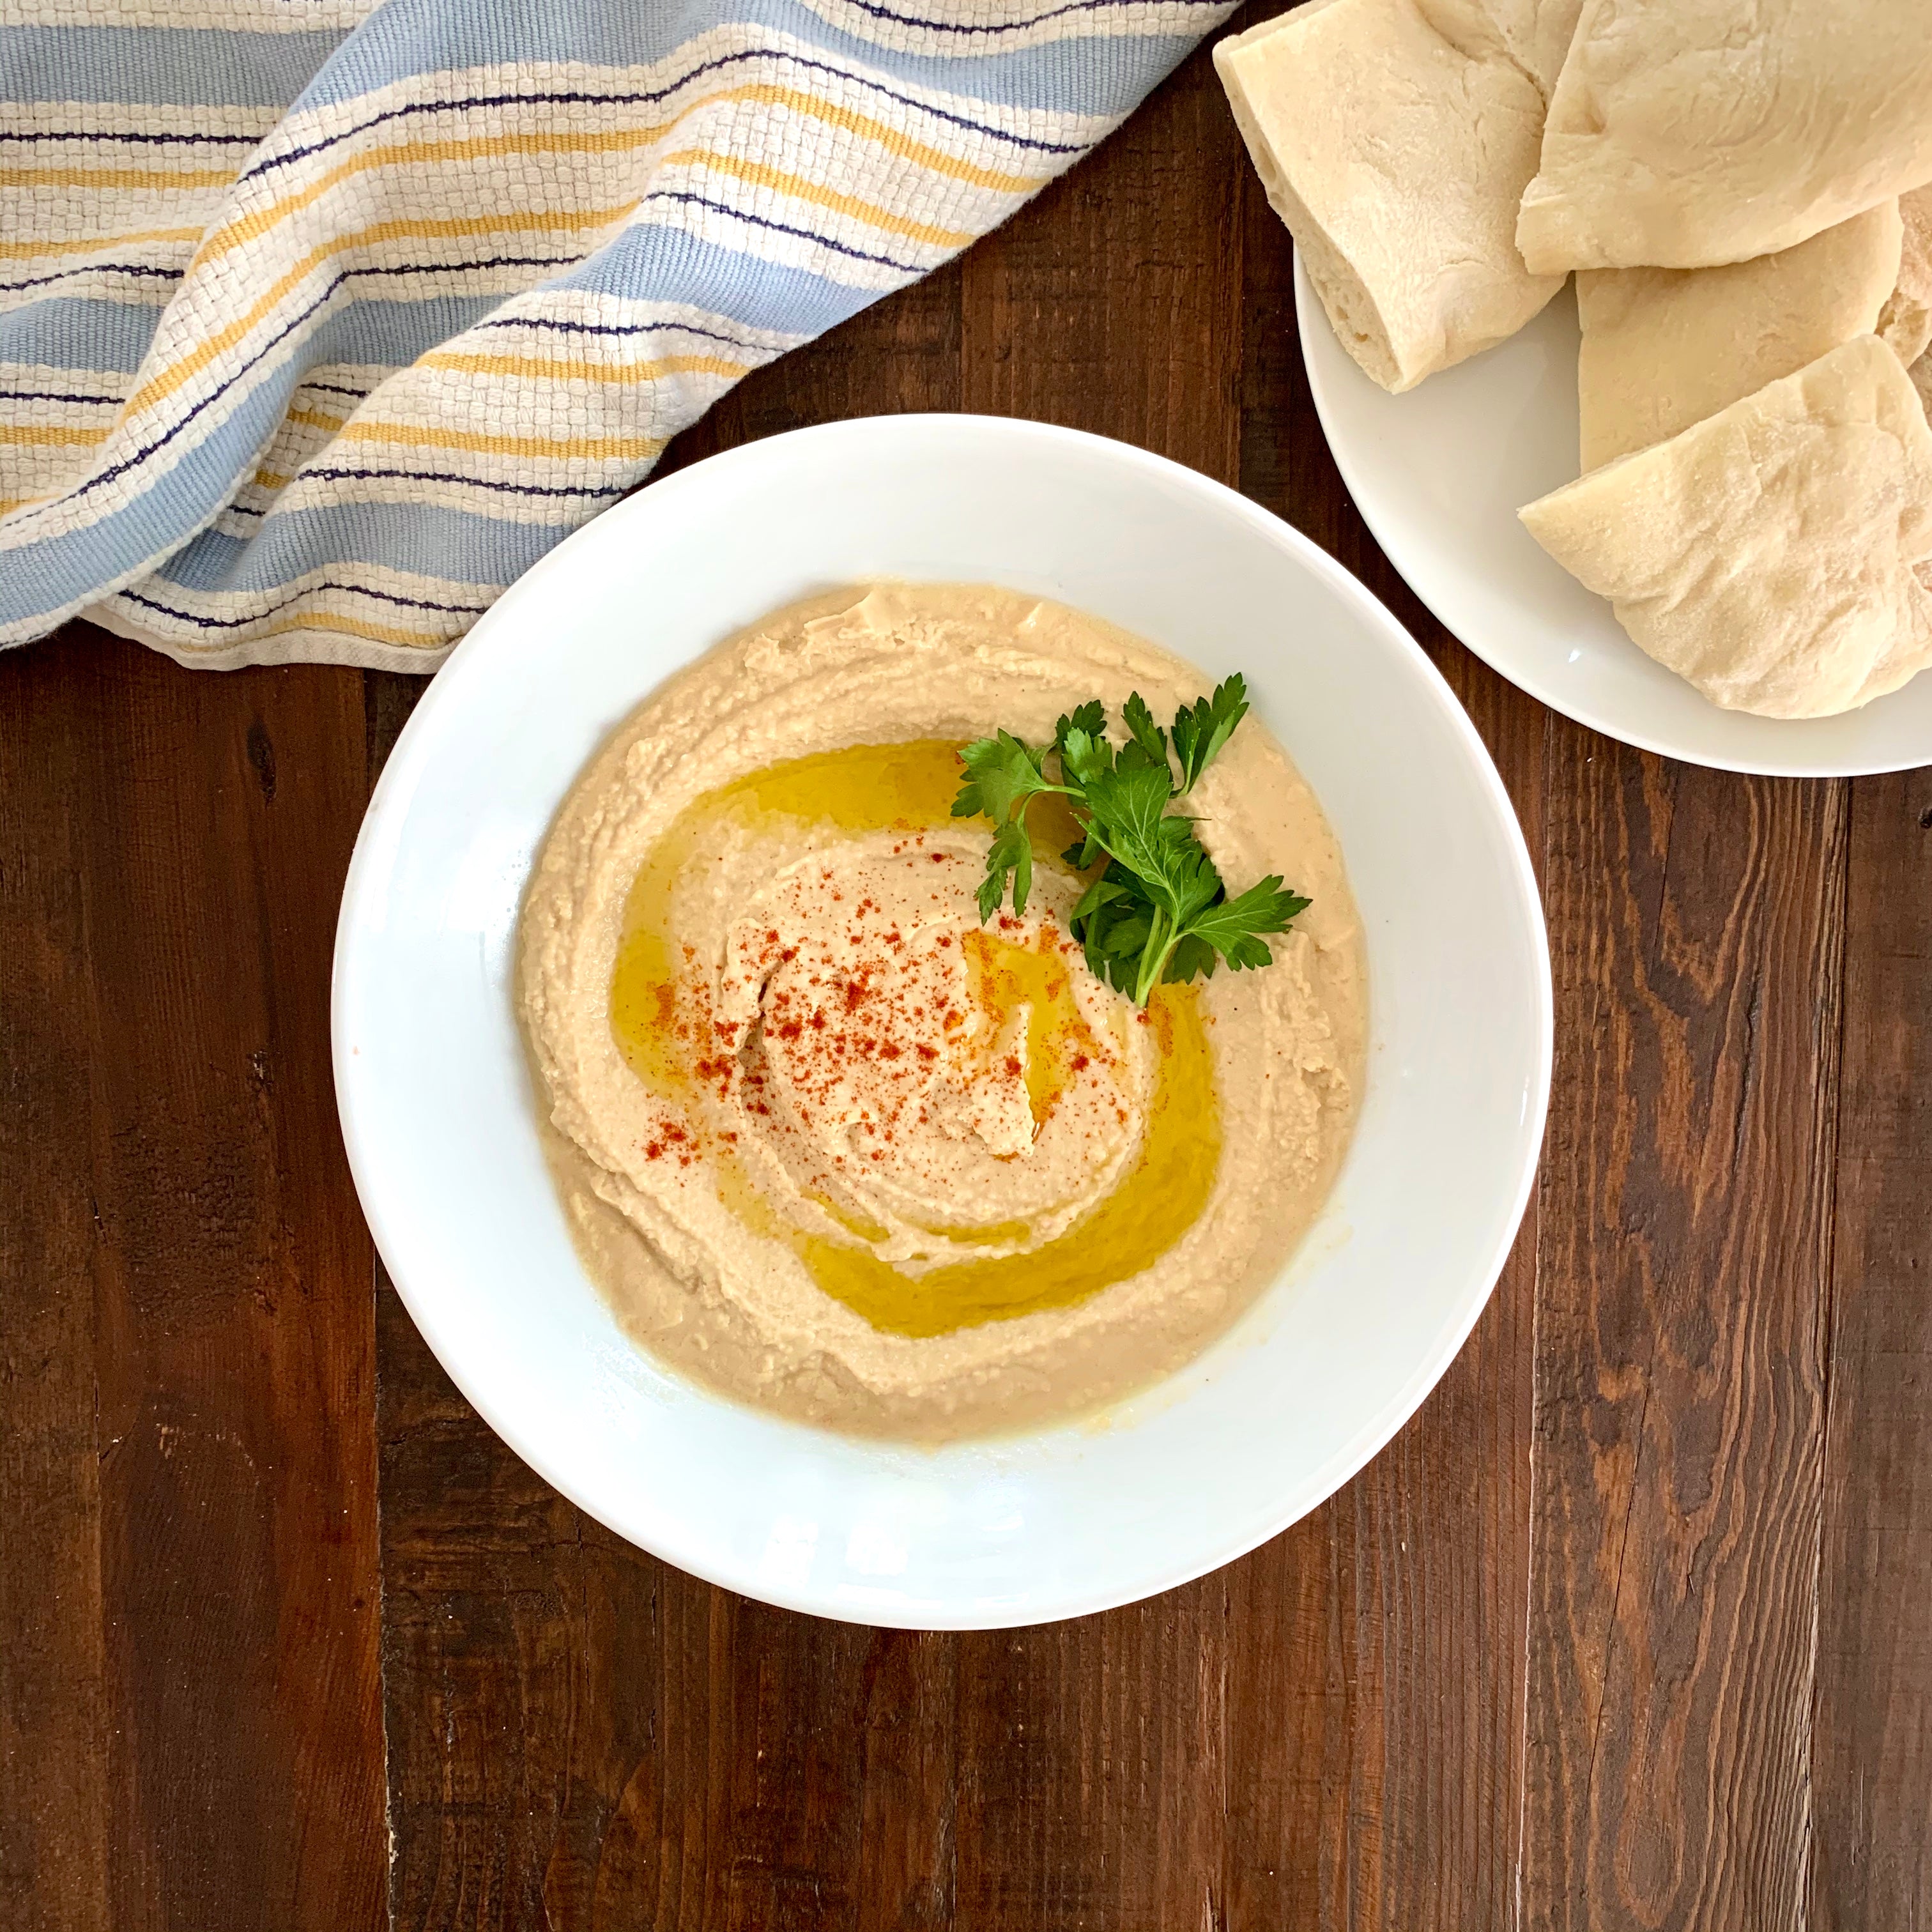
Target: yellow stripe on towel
121 177
28 251
353 627
483 147
587 449
757 174
164 385
536 368
48 435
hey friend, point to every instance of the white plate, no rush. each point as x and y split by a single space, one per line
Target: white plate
1439 475
438 1112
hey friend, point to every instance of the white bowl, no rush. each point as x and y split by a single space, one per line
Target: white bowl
1439 475
439 1114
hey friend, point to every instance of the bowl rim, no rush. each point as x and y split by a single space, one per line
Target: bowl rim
395 786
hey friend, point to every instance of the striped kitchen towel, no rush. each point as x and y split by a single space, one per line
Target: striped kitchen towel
321 320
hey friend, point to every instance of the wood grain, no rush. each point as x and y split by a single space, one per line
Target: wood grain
1871 1754
191 1594
1120 313
582 1738
1696 925
54 1701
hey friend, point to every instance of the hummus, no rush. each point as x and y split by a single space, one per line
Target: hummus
831 1146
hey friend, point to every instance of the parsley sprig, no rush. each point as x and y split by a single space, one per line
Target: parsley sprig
1158 910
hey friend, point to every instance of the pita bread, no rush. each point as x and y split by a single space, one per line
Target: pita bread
1687 133
1664 348
1535 34
1396 155
1766 553
1906 323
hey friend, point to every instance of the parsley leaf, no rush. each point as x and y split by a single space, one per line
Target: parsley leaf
1112 922
1002 773
1158 910
1233 927
1191 958
1009 856
1085 756
1084 854
1090 718
1200 730
1128 804
1145 732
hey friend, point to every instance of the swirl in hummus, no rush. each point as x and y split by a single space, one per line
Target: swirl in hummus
833 1146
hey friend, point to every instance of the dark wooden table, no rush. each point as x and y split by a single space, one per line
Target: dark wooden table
1631 1626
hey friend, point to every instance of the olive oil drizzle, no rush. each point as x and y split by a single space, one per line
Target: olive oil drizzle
910 787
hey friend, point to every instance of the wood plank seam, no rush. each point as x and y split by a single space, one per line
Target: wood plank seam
1827 1136
386 706
1516 1900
